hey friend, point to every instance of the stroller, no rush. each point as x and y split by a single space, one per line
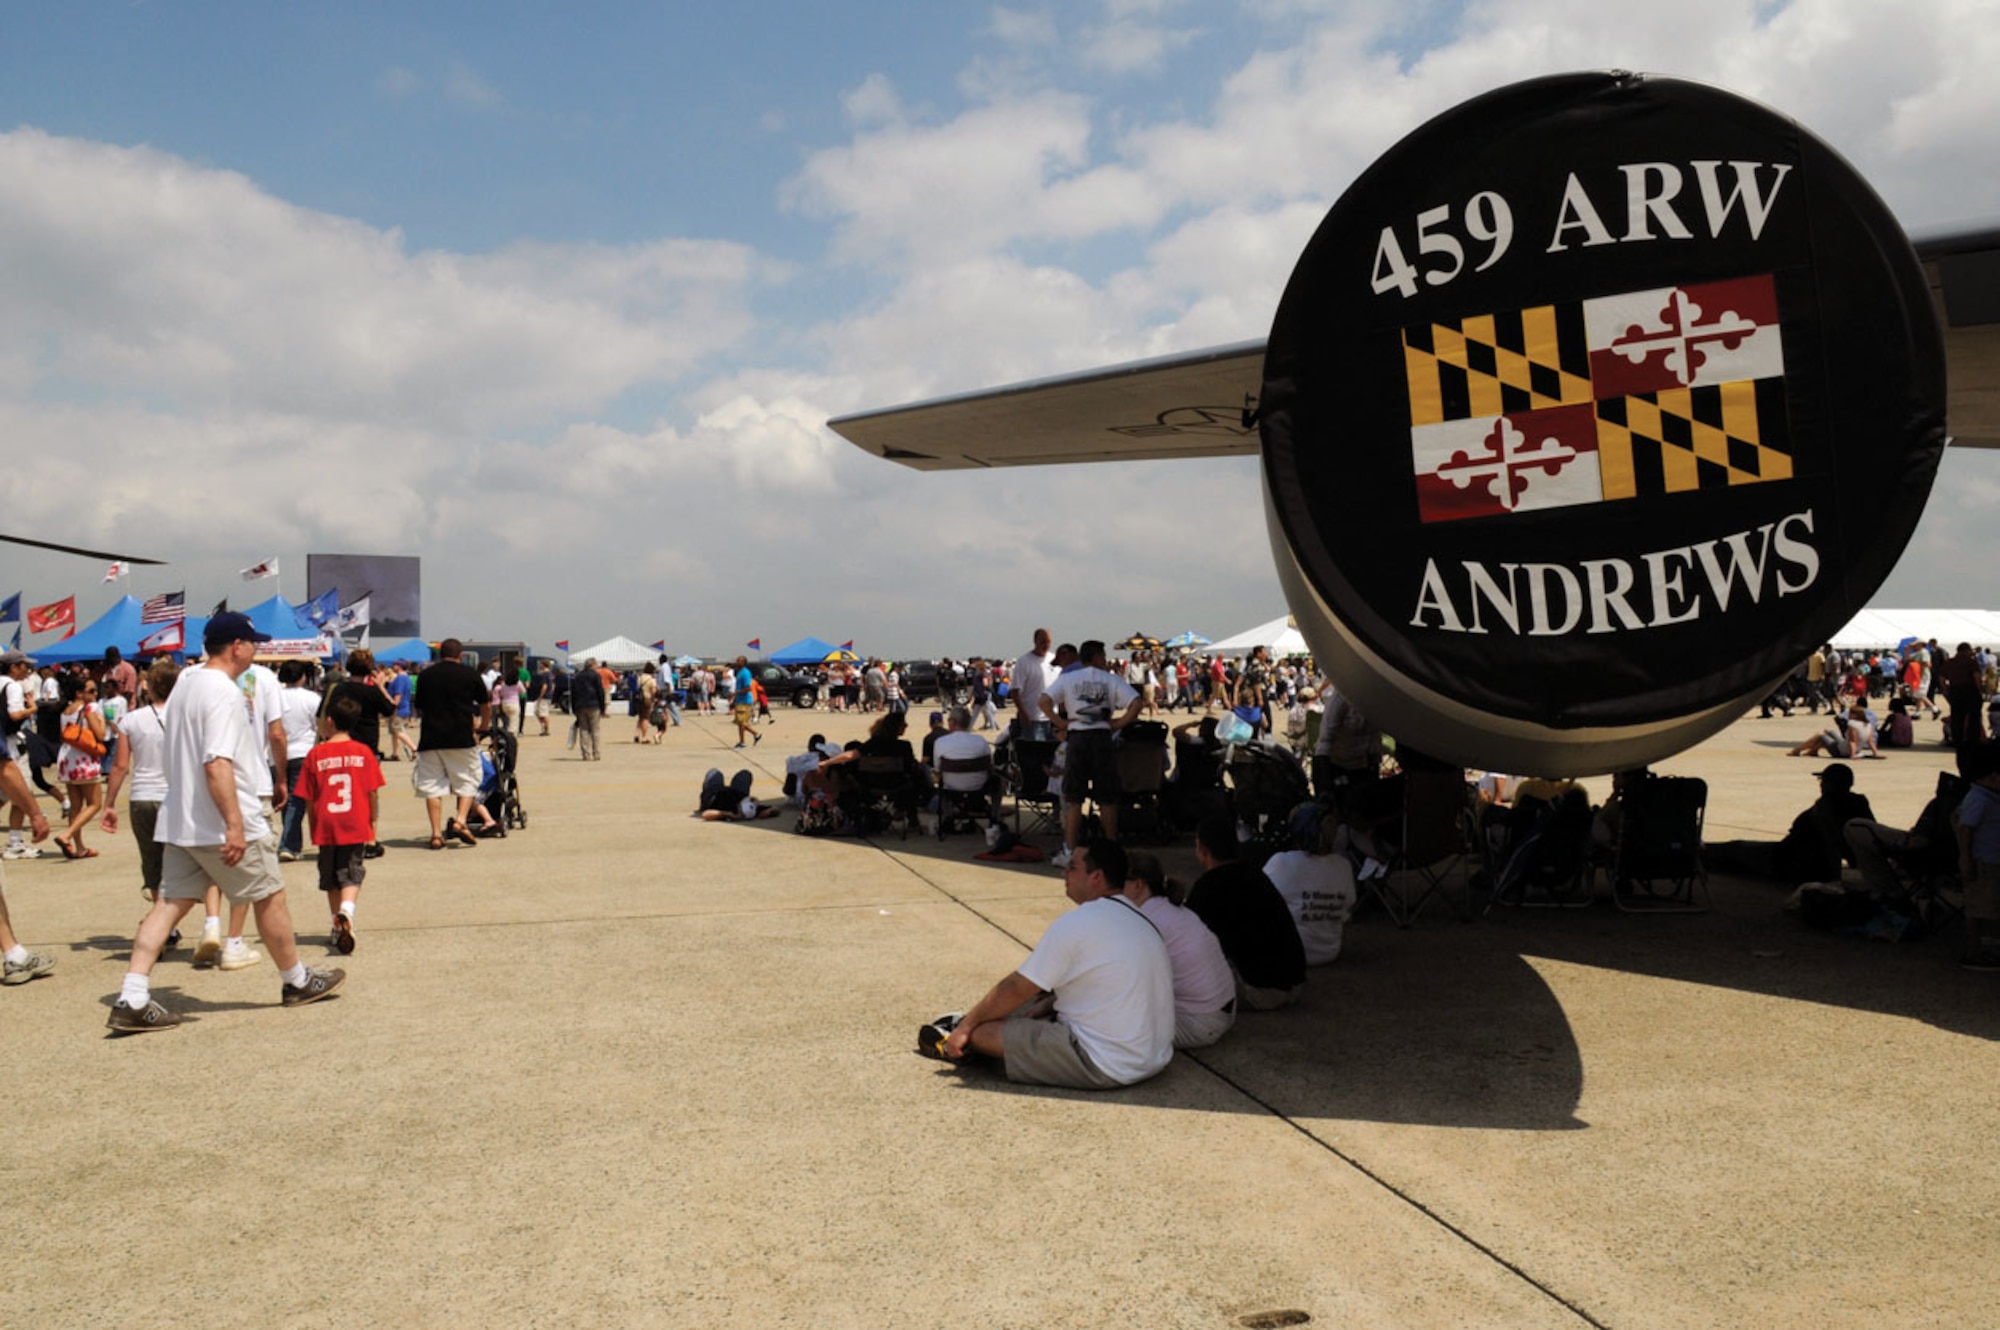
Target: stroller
501 791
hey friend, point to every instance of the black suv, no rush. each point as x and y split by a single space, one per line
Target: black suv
781 683
919 681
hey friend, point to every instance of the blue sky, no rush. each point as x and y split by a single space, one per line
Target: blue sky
558 298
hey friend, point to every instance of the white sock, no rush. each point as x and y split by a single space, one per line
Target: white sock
296 976
137 992
347 908
15 837
234 944
17 954
212 924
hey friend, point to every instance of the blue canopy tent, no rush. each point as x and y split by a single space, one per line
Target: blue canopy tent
805 651
276 616
116 627
411 651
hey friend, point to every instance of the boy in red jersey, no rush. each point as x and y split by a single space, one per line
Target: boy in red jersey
336 781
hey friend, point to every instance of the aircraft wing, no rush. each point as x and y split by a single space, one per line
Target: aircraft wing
1187 405
1193 404
1964 272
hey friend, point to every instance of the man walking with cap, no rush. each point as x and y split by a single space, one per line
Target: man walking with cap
212 828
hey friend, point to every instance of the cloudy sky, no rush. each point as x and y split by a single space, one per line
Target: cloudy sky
559 297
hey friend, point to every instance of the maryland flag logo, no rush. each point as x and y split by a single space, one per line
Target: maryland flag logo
1645 393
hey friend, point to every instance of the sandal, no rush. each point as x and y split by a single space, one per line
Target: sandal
68 850
437 842
86 854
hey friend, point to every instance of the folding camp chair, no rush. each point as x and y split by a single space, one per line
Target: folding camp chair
1435 840
1545 859
1028 781
1658 864
884 794
965 806
1142 774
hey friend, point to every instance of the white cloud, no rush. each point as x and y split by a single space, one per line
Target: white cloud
463 87
397 83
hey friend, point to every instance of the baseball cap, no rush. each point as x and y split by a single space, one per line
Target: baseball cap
10 658
1838 772
230 626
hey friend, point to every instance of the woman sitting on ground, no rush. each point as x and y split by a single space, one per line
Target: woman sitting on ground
1316 882
1852 735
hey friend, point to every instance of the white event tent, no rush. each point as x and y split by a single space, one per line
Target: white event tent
1886 628
615 653
1279 635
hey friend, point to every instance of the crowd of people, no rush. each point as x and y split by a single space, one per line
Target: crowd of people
226 765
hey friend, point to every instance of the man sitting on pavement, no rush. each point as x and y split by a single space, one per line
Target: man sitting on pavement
1249 918
1091 1008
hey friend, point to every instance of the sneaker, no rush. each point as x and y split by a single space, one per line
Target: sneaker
20 972
20 849
1060 859
287 857
209 950
239 958
124 1020
1986 959
318 984
343 935
932 1034
373 851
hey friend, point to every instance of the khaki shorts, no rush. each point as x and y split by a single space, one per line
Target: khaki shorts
742 712
442 771
1044 1052
187 870
541 708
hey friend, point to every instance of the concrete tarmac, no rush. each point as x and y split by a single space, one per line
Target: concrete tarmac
626 1068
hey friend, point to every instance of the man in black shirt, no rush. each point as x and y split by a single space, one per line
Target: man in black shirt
455 706
1249 918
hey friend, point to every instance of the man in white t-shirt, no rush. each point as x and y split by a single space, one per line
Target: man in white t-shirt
18 701
1092 1007
20 965
958 744
1088 706
1031 677
212 828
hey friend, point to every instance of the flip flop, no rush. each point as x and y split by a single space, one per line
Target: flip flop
68 850
86 854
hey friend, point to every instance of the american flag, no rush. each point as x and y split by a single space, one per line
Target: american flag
164 608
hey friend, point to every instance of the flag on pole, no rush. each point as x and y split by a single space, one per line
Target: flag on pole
350 617
118 569
10 609
164 608
660 645
56 614
848 645
258 571
319 609
172 637
563 646
755 644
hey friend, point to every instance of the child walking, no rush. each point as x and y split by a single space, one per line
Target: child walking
339 777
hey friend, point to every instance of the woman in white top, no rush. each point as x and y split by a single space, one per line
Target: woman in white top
142 759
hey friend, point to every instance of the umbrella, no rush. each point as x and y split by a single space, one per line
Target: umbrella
1190 638
1139 642
840 653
